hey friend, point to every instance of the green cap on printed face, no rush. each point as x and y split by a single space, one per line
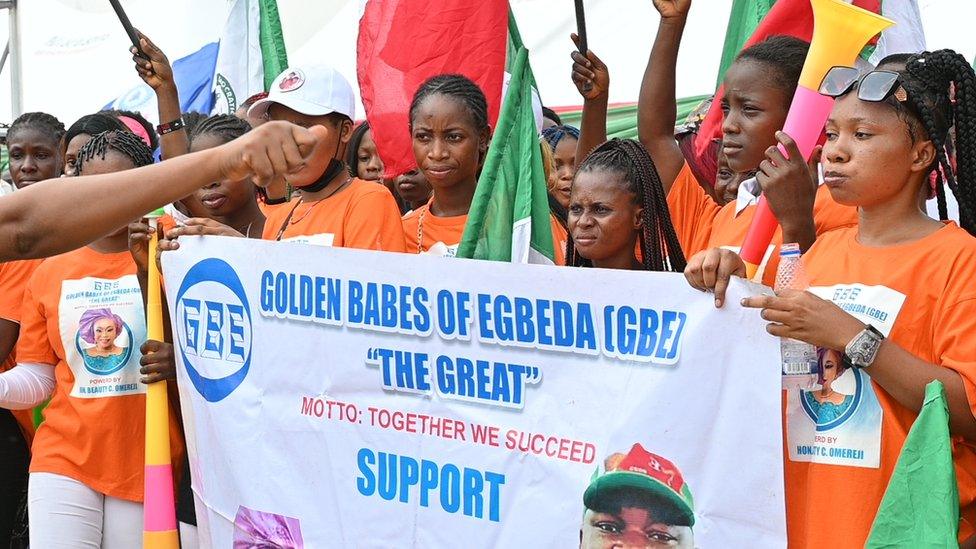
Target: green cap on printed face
156 213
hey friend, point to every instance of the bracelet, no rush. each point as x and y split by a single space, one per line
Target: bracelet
170 127
275 201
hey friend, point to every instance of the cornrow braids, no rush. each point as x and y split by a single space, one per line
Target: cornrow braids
458 87
124 142
659 246
554 134
941 89
226 127
191 119
40 121
352 151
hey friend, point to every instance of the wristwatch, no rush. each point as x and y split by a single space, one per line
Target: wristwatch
862 350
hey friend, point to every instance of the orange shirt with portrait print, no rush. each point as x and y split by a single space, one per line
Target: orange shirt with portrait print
363 215
839 458
13 281
94 426
702 224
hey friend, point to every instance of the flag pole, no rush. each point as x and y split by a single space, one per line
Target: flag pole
159 512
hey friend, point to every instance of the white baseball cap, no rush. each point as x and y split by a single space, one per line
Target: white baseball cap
313 90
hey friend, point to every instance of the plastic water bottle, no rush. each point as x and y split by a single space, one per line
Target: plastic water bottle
799 359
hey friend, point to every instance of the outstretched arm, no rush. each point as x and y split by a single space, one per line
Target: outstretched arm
656 106
53 217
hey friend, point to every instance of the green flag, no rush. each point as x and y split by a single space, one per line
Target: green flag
509 215
272 41
920 508
743 20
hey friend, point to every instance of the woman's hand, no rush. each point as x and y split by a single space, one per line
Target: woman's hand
156 71
710 271
790 186
158 362
806 317
271 150
139 234
672 8
590 74
196 226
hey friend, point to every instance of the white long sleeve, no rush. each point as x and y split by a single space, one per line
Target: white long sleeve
26 386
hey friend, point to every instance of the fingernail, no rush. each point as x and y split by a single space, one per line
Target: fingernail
742 302
718 302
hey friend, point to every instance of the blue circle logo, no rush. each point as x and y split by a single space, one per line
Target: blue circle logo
103 363
213 325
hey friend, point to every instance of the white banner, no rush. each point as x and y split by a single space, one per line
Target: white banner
345 398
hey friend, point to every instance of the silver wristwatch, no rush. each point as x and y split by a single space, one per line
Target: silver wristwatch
862 350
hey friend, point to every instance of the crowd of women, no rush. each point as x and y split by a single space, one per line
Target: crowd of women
898 136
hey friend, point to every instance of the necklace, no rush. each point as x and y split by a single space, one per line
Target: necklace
288 220
420 228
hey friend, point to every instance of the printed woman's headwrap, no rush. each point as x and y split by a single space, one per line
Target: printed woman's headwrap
821 357
86 326
555 134
260 529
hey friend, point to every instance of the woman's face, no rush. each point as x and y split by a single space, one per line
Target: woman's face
869 157
114 161
726 183
369 167
222 198
105 333
34 157
753 111
830 367
331 146
564 168
604 218
71 153
413 188
446 143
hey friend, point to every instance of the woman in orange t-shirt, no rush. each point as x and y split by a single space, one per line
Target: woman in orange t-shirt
82 326
893 296
449 125
618 215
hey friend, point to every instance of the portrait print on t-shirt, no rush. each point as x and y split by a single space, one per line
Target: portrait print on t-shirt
102 327
839 422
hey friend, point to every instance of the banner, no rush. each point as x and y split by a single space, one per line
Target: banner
346 398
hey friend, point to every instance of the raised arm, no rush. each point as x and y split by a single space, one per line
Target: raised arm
56 216
592 79
656 106
158 74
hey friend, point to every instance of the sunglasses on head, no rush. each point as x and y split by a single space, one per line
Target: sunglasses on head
874 86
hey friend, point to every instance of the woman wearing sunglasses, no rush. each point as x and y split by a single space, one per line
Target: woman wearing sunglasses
894 295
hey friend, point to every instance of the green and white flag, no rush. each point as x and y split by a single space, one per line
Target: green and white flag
252 53
509 215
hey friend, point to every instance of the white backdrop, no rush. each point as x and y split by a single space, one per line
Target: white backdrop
76 55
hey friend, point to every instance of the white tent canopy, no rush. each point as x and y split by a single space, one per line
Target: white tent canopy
75 54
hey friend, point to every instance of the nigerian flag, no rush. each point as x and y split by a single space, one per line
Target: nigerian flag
921 504
509 215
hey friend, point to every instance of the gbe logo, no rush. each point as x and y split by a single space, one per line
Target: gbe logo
213 322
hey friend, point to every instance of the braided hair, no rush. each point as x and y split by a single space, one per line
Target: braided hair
191 119
127 143
659 246
554 134
93 124
40 121
941 90
458 87
226 127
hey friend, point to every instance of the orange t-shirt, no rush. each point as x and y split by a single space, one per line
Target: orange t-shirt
266 209
83 313
363 215
702 224
13 281
840 454
559 238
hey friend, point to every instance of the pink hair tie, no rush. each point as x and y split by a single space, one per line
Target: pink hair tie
136 128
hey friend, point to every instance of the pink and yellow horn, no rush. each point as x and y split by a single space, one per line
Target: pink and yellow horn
840 32
159 512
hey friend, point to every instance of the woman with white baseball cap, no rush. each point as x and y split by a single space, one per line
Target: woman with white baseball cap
332 208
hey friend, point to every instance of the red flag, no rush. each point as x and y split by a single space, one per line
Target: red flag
789 17
402 43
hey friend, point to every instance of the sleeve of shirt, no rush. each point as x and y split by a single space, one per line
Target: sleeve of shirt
33 345
954 346
829 215
692 212
374 223
13 281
